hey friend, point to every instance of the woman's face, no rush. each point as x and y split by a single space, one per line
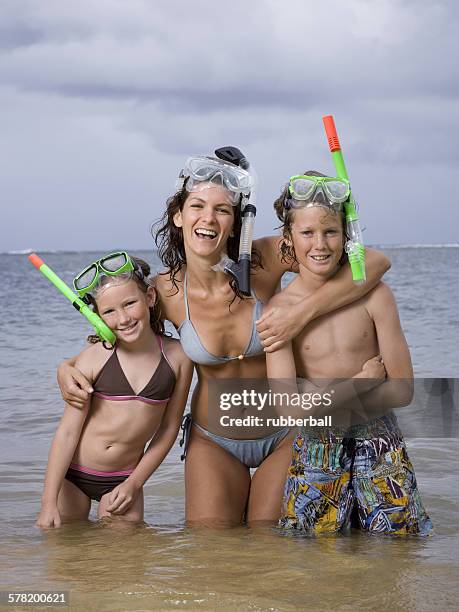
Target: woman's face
206 220
318 239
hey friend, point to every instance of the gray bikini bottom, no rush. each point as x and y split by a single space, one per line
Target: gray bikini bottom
249 452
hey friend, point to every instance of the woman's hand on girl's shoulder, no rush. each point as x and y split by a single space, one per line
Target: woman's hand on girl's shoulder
75 376
74 386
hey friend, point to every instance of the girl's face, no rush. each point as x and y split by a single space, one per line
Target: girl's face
318 239
207 220
125 309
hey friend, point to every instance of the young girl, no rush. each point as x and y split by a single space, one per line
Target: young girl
365 466
140 390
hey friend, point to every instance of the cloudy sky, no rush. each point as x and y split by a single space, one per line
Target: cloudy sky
102 100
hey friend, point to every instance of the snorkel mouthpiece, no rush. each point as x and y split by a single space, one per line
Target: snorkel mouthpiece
240 270
233 155
101 329
354 247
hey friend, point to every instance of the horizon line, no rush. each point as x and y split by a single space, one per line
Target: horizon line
418 245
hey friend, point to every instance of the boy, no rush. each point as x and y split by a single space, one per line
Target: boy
364 466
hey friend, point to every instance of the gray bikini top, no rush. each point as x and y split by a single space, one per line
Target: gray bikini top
194 348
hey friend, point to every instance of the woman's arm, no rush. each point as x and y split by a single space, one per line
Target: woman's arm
74 386
122 497
278 325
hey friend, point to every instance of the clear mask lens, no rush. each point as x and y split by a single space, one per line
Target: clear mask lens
308 191
199 167
195 185
104 281
232 177
101 272
302 189
86 278
114 263
318 197
337 191
236 184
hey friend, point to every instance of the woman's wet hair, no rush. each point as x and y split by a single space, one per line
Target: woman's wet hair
169 240
142 282
286 215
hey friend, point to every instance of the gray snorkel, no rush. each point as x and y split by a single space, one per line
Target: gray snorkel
240 270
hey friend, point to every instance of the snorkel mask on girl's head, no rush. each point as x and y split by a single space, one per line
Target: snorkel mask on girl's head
201 169
308 190
113 269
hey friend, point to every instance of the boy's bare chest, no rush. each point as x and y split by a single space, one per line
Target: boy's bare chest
335 344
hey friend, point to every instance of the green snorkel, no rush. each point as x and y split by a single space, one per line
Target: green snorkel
101 329
354 247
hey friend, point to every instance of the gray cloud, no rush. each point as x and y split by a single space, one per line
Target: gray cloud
102 100
271 54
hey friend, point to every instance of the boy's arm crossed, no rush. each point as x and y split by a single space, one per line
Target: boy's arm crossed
397 390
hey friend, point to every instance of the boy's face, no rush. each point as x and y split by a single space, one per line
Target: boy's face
318 239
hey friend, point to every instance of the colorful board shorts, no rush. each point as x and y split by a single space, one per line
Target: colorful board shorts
364 470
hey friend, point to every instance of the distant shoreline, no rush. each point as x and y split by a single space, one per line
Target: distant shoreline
448 245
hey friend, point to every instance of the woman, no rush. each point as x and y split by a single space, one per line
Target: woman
218 332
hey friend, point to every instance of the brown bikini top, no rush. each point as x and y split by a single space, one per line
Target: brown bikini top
112 384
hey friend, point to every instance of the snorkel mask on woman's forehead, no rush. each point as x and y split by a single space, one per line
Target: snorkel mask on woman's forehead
201 169
229 170
114 269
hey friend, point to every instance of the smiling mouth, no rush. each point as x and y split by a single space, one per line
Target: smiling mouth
206 234
128 328
320 257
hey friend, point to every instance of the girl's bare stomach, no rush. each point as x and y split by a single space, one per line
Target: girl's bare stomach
115 434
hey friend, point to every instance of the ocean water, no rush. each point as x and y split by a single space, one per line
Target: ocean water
164 565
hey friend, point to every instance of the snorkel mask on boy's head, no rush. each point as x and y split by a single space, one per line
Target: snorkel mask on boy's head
113 269
307 190
229 170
